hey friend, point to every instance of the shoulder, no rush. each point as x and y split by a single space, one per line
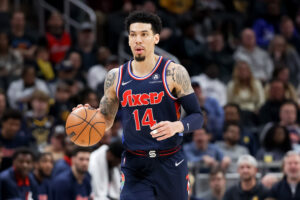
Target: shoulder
5 175
63 178
111 77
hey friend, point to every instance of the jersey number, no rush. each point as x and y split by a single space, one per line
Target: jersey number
147 120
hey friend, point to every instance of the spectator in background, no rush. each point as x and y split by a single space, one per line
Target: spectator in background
211 86
289 186
57 143
21 39
104 169
12 136
11 62
219 53
269 112
15 181
65 163
74 183
269 180
44 69
215 113
230 146
283 54
281 73
58 40
258 59
244 89
38 120
200 150
217 185
233 115
20 91
76 61
248 187
275 144
41 174
288 31
86 45
90 97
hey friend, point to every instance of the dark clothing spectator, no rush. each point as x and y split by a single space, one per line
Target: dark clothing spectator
14 187
61 166
269 112
236 193
43 188
282 191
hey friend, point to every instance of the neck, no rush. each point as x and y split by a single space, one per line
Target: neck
38 114
248 185
79 176
38 176
18 32
143 68
228 143
293 180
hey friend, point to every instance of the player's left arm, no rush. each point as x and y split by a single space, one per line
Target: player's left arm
179 83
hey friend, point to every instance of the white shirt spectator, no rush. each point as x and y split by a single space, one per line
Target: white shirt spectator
102 188
212 88
95 76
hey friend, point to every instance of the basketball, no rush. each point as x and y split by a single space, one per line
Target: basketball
85 126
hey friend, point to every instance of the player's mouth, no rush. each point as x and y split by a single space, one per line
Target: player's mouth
139 50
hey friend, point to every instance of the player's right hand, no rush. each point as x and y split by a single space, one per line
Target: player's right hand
80 105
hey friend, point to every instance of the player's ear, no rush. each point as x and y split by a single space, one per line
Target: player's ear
156 38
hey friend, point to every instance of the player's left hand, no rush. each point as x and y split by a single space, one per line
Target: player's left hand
165 129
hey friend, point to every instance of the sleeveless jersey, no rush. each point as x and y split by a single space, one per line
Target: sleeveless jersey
145 101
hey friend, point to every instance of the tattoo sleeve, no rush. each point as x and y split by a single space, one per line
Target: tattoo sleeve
109 103
182 81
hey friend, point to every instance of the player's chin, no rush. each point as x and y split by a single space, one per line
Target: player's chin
139 58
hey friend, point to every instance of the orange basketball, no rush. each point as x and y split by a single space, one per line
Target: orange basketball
85 126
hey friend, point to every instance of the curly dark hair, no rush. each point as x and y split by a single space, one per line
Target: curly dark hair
270 144
144 17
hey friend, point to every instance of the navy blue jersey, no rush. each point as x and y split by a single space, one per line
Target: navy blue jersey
43 188
61 166
66 187
15 188
144 102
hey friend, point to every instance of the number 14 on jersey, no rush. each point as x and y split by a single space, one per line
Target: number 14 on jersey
147 119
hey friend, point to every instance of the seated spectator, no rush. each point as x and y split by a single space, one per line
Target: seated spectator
210 85
233 115
258 59
289 186
65 163
90 97
15 181
12 136
230 146
248 187
20 91
11 62
244 89
218 52
104 169
217 185
38 120
58 40
269 180
275 144
205 153
74 183
57 142
41 174
21 38
44 69
215 113
281 73
75 59
269 112
288 31
283 54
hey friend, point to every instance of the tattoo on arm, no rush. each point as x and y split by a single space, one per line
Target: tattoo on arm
182 79
171 72
108 106
110 79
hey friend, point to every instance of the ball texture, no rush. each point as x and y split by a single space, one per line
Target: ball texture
85 126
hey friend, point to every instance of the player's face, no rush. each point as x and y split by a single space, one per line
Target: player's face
46 165
142 40
292 167
81 161
247 171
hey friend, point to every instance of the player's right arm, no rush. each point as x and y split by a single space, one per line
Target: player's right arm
109 103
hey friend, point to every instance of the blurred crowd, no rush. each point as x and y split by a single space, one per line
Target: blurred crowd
243 59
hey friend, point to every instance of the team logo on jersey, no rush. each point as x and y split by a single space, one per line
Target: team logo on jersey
141 99
122 180
155 77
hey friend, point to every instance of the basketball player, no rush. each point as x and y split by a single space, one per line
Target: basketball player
150 90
